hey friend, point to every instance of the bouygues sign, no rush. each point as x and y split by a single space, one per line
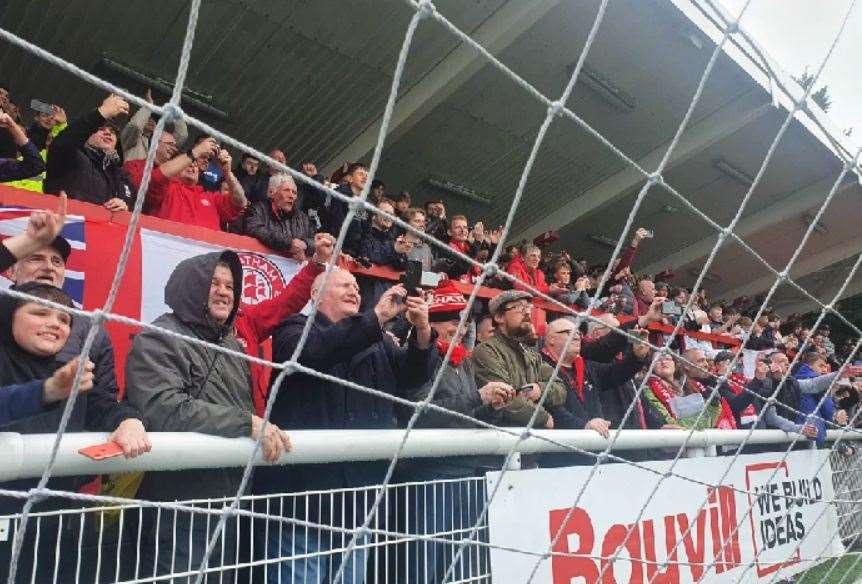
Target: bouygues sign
768 514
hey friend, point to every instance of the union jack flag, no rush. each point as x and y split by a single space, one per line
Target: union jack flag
13 220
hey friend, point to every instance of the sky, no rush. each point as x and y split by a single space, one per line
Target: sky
798 33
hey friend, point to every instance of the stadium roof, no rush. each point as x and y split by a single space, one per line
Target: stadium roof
312 78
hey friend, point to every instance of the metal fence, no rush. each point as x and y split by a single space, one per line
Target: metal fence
298 537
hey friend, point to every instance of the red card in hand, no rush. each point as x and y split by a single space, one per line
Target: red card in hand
102 451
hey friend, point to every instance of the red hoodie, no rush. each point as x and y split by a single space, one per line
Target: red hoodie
255 323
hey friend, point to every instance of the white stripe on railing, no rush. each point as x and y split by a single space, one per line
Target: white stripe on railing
25 455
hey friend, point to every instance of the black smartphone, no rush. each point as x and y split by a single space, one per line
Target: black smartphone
412 278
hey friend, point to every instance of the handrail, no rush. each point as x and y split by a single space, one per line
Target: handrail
11 196
26 455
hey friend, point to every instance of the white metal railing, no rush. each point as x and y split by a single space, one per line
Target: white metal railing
25 455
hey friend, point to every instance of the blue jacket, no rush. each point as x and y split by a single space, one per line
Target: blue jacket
20 401
808 404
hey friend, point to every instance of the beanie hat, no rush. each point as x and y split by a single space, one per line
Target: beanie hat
447 302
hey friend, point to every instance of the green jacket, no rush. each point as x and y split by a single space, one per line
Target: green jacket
502 358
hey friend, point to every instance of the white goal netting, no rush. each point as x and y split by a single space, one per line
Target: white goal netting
97 538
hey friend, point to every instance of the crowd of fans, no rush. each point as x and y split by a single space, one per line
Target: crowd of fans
498 367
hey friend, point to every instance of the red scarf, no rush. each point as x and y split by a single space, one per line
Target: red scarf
459 353
464 248
662 390
725 420
737 383
576 382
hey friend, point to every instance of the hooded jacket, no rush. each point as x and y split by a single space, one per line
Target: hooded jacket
86 174
184 387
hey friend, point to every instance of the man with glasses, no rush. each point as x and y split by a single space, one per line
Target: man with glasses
509 357
584 381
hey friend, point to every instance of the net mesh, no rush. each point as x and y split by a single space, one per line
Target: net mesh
472 535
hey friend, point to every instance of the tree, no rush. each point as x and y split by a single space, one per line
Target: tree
820 96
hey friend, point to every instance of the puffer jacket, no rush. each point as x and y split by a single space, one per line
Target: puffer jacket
86 174
503 358
277 229
182 387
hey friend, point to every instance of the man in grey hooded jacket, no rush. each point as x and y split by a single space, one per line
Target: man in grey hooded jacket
185 387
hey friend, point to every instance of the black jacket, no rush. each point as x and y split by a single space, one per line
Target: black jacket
278 229
86 174
334 217
354 349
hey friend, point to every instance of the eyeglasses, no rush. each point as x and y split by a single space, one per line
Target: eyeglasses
567 332
523 307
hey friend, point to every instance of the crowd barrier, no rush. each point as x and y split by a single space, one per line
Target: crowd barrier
418 523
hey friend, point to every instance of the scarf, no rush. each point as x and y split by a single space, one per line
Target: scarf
105 157
725 420
663 391
459 353
576 382
737 383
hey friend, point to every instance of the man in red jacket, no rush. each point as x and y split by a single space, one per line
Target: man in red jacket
255 323
176 195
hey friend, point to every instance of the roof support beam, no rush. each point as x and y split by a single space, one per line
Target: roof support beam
803 267
715 127
795 204
495 34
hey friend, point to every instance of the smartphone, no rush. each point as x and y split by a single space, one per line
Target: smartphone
670 307
412 277
41 107
102 451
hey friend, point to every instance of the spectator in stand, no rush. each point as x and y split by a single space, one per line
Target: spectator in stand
561 285
41 230
166 150
584 381
30 164
377 192
354 181
211 172
31 335
484 327
348 344
175 192
402 205
644 293
525 268
824 331
689 403
437 225
83 160
762 335
380 246
255 322
261 186
509 357
248 175
455 267
456 391
421 251
46 126
823 411
135 136
184 387
47 265
278 223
